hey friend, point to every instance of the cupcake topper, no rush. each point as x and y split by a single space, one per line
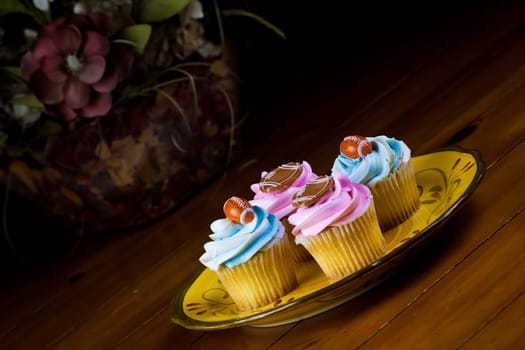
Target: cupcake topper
312 192
238 210
281 177
355 146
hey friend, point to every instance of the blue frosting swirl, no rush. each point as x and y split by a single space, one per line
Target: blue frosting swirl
233 244
386 157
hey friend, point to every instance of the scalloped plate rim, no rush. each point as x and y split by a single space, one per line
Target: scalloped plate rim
191 323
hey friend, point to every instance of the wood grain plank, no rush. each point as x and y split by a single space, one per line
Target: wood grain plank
159 333
352 323
465 298
127 309
460 104
506 103
504 330
113 266
486 83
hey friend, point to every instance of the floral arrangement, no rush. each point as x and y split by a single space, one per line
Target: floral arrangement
111 111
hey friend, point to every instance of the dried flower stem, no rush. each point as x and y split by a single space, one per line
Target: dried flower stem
232 127
181 111
244 13
219 22
161 85
174 102
192 83
192 64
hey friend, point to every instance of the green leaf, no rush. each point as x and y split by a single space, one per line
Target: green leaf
10 77
49 128
16 6
244 13
28 100
13 6
151 11
13 70
138 35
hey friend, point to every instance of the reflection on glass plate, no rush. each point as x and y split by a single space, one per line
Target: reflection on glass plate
445 179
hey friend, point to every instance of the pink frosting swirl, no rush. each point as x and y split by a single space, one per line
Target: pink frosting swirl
344 203
279 203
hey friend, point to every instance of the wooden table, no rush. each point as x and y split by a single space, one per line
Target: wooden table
457 81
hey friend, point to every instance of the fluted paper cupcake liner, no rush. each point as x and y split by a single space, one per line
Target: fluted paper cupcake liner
396 197
263 279
343 249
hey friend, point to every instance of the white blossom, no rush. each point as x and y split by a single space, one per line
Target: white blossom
42 5
80 8
25 115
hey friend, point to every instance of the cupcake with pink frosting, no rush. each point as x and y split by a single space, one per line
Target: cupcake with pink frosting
275 190
336 222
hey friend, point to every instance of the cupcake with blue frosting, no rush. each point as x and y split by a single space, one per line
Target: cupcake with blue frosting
384 165
249 253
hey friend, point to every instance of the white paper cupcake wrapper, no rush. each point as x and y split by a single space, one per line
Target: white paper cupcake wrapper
344 249
263 279
396 197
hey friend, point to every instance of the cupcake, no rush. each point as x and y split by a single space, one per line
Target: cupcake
250 255
274 193
337 223
384 165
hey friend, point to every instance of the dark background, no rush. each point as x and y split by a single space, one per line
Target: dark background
325 37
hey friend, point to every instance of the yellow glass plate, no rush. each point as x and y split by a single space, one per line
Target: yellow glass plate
445 178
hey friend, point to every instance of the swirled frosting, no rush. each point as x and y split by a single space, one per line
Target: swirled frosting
279 202
343 203
386 156
233 244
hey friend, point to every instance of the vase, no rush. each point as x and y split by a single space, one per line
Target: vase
132 166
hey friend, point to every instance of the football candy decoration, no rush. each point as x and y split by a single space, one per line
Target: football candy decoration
238 210
313 191
355 147
281 177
